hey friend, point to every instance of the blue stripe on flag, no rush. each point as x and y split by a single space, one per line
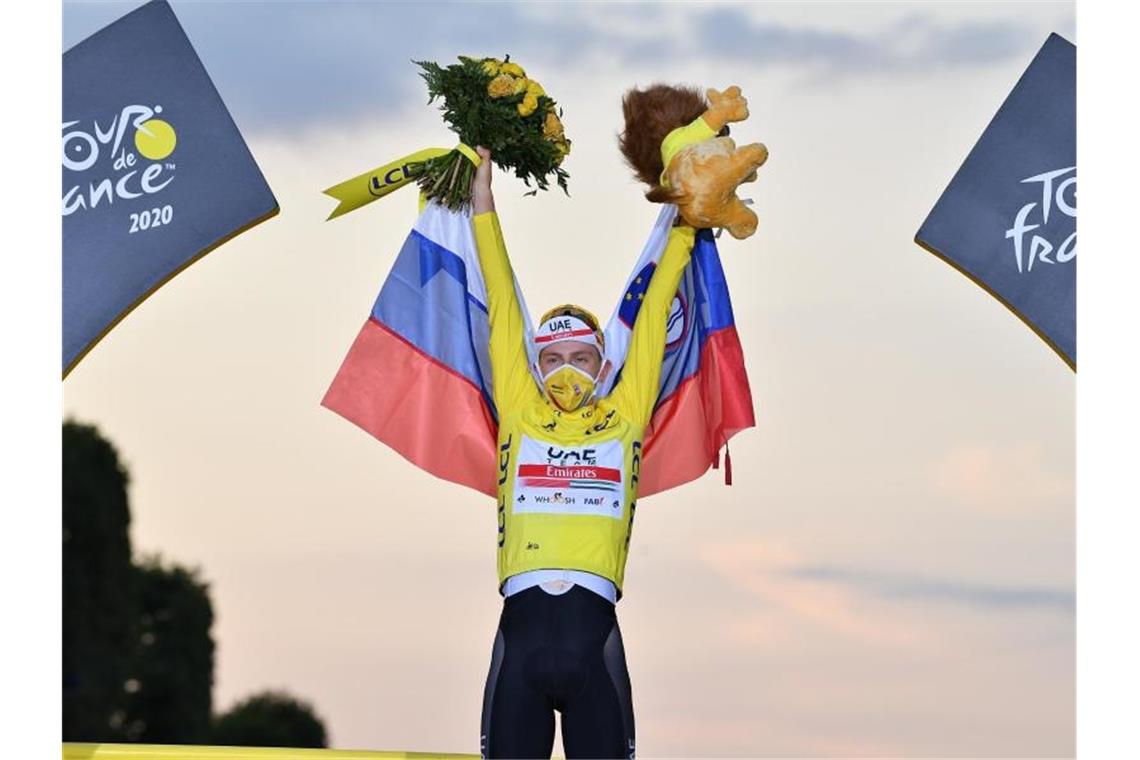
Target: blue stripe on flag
707 267
425 301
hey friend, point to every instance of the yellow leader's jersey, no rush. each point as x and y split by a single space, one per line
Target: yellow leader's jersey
568 480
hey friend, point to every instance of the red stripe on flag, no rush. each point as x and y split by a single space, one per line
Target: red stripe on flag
706 410
430 414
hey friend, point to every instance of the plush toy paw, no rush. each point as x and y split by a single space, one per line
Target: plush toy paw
668 147
706 176
726 107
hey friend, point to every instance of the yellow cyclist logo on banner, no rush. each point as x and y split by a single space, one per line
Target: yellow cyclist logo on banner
365 188
155 139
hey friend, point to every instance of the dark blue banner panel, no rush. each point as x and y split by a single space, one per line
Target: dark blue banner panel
1008 219
155 172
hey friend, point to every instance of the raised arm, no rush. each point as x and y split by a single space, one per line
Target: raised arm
511 381
636 391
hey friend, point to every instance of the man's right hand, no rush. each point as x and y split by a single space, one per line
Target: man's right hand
481 199
483 171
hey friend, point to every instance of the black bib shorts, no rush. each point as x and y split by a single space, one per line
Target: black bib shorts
557 652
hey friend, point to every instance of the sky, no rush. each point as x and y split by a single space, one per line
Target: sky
892 571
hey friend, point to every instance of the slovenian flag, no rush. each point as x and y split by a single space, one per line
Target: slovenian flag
417 377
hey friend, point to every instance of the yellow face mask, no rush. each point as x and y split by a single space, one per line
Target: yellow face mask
568 387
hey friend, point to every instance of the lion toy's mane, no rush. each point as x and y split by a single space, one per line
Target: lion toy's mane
705 165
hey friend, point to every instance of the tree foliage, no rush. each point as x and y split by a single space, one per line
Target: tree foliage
138 659
270 719
169 691
99 608
138 655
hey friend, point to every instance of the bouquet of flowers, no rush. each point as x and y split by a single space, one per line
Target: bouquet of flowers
491 102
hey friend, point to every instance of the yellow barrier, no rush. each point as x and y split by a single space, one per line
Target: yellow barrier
74 751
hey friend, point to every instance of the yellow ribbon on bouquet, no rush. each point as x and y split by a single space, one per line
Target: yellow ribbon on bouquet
365 188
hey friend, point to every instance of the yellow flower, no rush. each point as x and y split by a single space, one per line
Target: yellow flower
521 86
491 66
513 69
501 86
528 104
534 88
552 126
561 150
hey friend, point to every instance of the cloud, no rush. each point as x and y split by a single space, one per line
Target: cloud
766 570
973 44
870 606
1010 480
901 587
913 44
281 66
289 66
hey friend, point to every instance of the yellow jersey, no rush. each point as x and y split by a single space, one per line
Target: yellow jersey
567 481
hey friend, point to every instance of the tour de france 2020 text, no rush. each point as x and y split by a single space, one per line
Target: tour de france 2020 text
155 217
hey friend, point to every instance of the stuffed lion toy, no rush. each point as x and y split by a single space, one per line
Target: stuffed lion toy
677 142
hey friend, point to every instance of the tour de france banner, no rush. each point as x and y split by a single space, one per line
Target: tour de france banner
1008 219
155 172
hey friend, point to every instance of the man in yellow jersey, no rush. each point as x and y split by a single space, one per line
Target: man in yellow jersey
568 472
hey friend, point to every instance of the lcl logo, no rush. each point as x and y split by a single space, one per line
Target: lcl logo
379 183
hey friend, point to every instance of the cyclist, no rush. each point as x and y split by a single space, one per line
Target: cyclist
568 475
